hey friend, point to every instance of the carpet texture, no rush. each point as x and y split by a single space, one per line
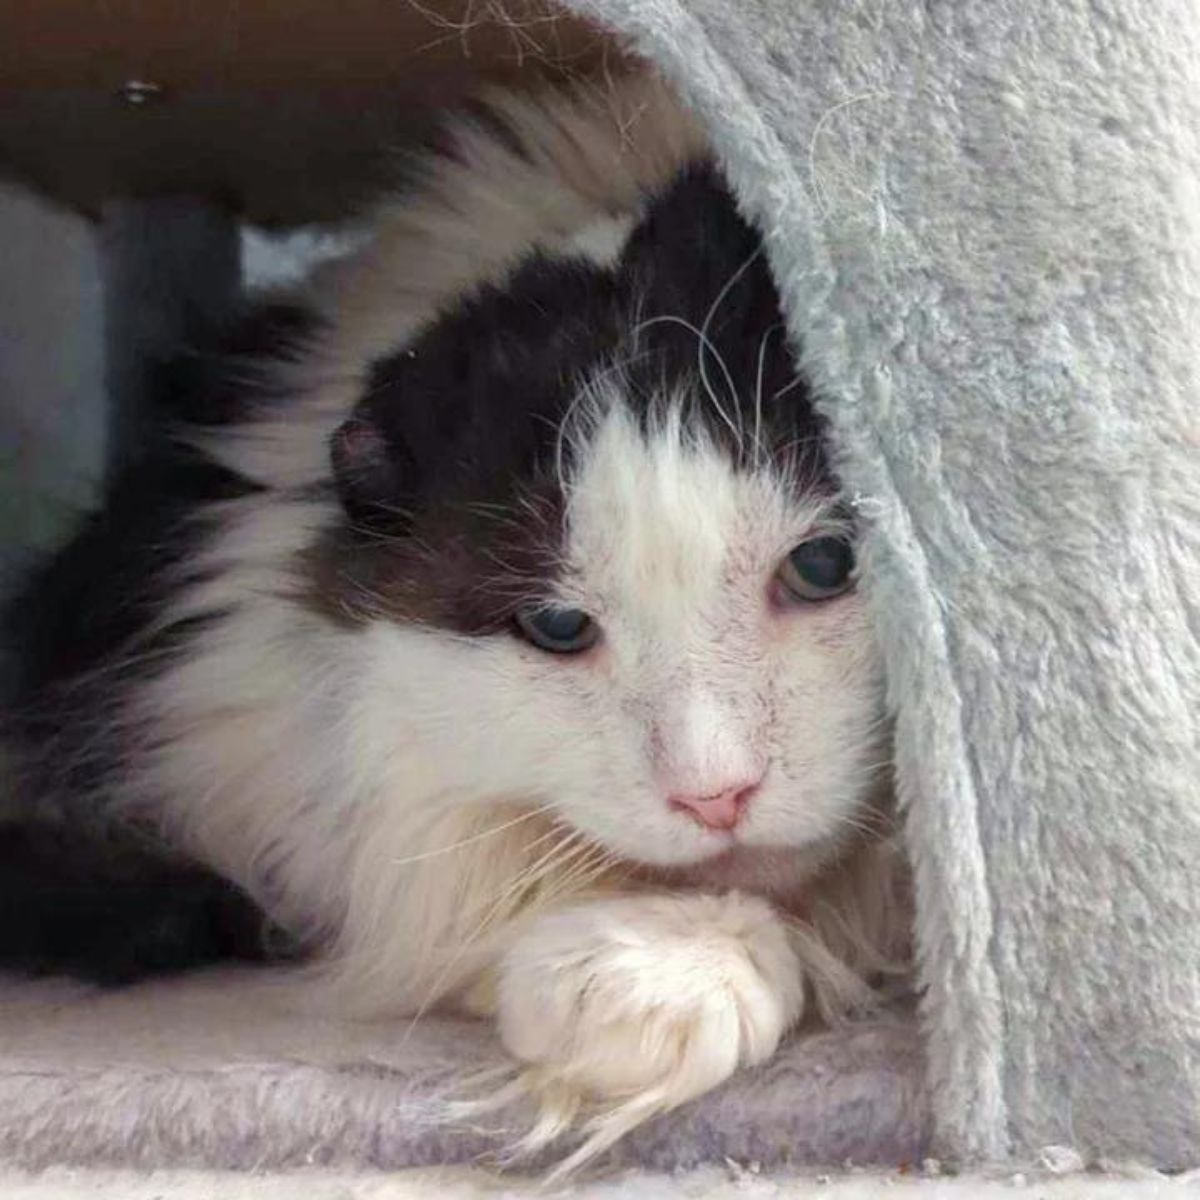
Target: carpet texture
222 1070
984 216
732 1182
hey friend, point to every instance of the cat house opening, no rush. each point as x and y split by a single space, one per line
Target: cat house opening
182 162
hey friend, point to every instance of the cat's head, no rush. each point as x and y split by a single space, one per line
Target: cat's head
598 556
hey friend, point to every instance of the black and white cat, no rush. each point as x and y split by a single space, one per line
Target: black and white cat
496 632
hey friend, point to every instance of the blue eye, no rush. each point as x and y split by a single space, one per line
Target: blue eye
819 569
558 630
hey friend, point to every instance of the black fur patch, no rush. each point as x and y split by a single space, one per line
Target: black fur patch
106 584
112 907
113 914
448 466
221 380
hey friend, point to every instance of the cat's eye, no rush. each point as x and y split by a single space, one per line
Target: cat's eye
558 630
818 569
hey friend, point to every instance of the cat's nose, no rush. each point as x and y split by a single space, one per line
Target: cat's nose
720 810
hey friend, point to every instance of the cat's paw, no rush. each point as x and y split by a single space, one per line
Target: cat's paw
627 1007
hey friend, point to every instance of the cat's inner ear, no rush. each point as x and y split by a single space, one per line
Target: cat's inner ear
373 476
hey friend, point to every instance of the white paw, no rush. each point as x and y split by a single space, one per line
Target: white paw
631 1006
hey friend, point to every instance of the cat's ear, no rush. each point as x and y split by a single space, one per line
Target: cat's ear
372 475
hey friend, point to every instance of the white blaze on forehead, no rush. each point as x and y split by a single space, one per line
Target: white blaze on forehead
671 546
661 518
651 514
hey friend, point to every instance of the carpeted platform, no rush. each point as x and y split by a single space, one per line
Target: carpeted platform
732 1182
222 1070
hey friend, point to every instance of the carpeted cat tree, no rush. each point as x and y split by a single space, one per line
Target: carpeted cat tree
985 220
984 216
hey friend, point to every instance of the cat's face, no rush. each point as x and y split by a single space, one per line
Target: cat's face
606 575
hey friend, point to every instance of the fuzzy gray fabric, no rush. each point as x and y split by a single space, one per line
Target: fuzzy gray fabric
221 1071
985 220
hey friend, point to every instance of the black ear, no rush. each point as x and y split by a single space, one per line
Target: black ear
373 476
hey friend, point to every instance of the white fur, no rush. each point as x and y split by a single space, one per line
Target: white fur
699 684
602 240
421 807
644 1003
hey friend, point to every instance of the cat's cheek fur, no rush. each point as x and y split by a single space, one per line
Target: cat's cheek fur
630 1006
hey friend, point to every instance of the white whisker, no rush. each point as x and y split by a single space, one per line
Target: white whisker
708 319
758 387
704 344
558 855
471 841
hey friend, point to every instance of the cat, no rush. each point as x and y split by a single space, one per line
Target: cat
492 627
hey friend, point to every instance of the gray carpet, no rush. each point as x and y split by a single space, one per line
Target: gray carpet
984 217
221 1071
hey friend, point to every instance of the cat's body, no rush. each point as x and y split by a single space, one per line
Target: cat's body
495 636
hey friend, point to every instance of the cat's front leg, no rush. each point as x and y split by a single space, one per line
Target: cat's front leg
631 1005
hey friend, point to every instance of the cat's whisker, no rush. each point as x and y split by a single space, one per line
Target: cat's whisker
552 865
707 324
618 366
859 825
535 504
485 508
763 344
787 387
704 344
522 881
475 839
585 869
580 878
569 432
511 571
555 860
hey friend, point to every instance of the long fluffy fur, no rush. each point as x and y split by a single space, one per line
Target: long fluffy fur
257 754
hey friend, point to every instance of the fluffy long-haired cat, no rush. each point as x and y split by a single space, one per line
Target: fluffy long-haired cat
492 628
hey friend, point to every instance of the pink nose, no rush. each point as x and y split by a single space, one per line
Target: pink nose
722 810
